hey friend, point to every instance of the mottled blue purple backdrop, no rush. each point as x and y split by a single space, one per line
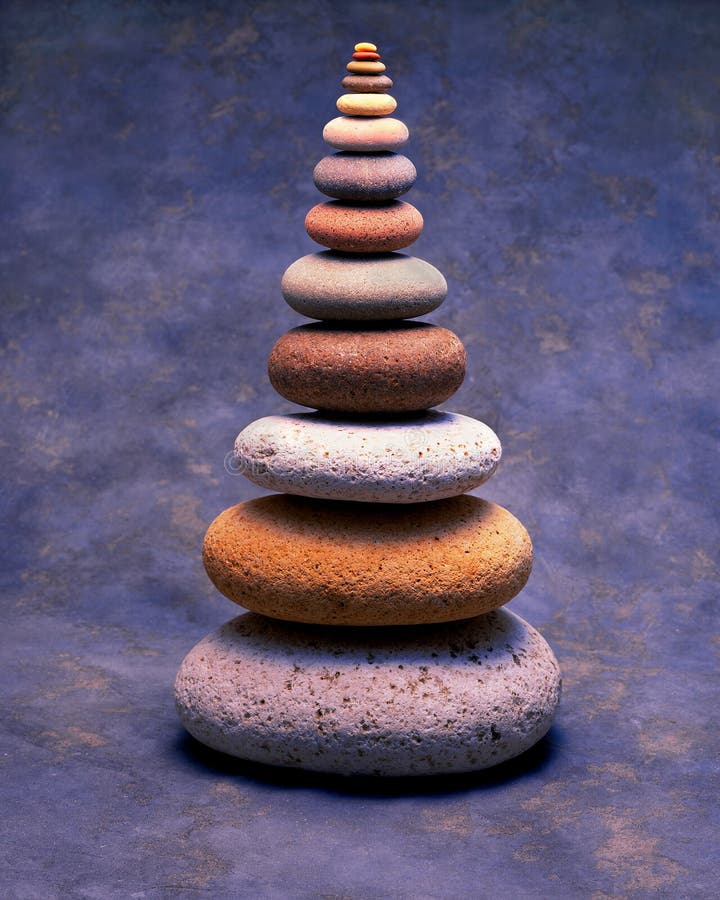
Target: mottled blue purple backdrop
156 164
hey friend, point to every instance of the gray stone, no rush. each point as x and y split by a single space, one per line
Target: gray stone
332 285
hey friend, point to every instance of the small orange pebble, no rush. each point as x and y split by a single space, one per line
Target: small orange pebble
366 54
363 45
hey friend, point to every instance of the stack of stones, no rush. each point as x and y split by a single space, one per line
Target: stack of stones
376 643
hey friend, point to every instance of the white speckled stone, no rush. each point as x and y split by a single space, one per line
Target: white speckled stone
394 701
418 458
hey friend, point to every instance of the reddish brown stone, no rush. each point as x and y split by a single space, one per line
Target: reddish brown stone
399 368
367 84
366 54
364 229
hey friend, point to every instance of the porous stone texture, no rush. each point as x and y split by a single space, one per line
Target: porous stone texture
402 367
367 84
331 285
407 701
366 104
364 229
365 133
366 177
118 118
424 456
337 563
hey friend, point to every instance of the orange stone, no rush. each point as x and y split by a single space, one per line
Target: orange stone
345 563
366 55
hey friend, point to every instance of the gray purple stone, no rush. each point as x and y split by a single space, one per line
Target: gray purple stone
364 176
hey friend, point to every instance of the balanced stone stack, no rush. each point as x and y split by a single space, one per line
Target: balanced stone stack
375 642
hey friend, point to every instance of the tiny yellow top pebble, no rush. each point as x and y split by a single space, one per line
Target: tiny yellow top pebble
365 46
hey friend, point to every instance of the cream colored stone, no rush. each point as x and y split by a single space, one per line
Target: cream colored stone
366 104
363 67
365 133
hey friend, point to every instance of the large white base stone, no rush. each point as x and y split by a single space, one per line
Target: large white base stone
402 701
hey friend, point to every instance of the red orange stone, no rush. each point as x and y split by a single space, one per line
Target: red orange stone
366 55
401 367
364 229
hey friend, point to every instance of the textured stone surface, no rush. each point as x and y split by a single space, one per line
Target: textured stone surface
388 368
372 104
387 226
397 702
364 176
367 83
156 162
425 456
365 133
330 285
366 563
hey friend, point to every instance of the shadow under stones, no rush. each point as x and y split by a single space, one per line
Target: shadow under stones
532 762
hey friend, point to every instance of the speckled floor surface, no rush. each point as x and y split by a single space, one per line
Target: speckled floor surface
156 165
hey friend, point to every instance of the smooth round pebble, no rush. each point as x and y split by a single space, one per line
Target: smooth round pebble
364 177
366 104
356 564
365 67
365 54
422 457
422 701
367 84
365 45
330 285
405 367
364 229
365 133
